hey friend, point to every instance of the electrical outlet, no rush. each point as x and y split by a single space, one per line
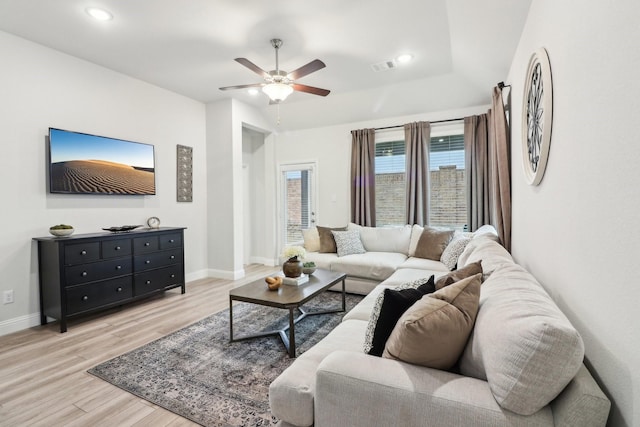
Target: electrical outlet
7 297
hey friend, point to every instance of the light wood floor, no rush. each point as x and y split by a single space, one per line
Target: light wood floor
43 378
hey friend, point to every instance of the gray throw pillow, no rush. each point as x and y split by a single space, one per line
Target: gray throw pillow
348 242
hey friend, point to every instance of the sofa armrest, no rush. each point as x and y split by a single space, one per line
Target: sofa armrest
355 389
581 403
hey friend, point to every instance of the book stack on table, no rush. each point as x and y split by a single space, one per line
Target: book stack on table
295 281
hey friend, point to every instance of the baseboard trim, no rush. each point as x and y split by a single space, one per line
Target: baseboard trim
196 275
264 261
227 275
20 323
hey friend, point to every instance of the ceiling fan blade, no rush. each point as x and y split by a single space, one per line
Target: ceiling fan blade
242 86
253 67
312 66
311 89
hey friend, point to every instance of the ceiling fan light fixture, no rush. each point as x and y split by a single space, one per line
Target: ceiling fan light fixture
277 92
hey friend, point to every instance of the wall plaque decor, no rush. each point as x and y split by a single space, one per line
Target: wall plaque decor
537 115
185 174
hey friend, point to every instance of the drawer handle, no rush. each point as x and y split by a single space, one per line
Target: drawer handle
84 274
171 241
173 276
148 261
83 252
117 248
172 257
118 267
147 243
85 298
119 289
148 282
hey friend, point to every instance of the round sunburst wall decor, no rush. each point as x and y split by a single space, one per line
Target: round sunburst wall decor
537 115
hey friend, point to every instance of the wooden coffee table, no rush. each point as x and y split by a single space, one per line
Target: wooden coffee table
289 298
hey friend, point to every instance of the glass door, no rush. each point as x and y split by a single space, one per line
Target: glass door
298 201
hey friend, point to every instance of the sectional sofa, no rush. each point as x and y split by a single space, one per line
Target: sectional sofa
520 364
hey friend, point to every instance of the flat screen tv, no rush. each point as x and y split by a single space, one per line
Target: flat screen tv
81 163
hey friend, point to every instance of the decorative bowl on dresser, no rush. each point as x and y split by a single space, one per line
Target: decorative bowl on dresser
90 272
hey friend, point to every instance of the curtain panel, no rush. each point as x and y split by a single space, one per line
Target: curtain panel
363 182
417 136
487 162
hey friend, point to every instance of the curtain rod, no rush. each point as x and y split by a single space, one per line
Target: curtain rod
434 121
500 85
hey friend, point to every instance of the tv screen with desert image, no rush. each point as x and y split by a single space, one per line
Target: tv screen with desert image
81 163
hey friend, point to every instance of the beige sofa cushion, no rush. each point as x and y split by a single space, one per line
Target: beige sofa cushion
291 394
433 331
371 265
311 239
327 242
432 243
457 275
522 344
384 239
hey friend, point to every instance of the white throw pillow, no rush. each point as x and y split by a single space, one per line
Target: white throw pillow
348 242
311 239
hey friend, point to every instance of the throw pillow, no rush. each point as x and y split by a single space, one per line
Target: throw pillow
348 242
434 331
389 306
453 250
432 243
457 275
327 242
311 239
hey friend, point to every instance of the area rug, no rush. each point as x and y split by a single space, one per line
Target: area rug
196 373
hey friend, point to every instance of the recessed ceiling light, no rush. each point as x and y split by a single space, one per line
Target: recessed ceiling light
253 91
99 14
404 58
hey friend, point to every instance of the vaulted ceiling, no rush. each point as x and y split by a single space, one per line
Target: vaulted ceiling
460 48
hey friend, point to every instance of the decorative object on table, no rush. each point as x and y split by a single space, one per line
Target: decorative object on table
295 281
185 174
153 222
273 283
308 267
292 267
537 115
122 228
214 390
61 230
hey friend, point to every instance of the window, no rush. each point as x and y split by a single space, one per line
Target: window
446 164
390 183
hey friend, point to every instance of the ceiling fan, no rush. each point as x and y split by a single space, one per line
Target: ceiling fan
279 84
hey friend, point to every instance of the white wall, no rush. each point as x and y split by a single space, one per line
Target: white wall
576 232
225 122
42 88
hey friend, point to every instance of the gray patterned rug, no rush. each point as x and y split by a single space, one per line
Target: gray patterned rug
196 373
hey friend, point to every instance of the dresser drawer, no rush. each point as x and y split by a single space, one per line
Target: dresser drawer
86 297
81 253
116 248
156 260
98 271
143 245
170 241
153 280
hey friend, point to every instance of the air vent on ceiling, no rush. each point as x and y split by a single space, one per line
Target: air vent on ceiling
383 66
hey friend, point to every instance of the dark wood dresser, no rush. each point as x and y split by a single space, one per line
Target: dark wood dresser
88 272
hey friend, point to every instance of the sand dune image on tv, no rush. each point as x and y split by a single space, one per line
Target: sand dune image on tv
82 163
101 177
